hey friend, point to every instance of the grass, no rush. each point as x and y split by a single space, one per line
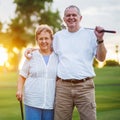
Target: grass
9 106
107 84
107 93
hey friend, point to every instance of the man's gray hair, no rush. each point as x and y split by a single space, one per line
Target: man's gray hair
73 6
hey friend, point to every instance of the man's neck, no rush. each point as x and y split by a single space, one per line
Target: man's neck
73 29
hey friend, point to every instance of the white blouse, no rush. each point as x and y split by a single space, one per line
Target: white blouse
39 87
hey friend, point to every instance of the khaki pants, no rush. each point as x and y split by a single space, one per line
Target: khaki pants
69 95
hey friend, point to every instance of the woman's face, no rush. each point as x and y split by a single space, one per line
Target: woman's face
44 41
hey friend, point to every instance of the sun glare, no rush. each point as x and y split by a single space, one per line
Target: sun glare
3 56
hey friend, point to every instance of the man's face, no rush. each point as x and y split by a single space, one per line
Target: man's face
72 18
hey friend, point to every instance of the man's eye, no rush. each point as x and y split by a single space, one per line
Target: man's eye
67 15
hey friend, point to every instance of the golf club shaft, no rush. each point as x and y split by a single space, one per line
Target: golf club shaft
108 31
21 108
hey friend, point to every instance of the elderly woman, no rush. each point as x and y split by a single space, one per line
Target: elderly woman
37 78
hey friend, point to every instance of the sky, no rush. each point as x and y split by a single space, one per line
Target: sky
104 13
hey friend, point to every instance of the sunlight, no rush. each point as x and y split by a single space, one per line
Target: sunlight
3 56
111 55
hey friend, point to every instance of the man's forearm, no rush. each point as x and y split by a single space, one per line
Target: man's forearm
101 52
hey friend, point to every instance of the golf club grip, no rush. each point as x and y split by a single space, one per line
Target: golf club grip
108 31
21 108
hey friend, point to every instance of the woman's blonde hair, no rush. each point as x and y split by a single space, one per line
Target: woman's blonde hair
43 27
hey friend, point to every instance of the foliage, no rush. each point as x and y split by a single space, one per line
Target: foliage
95 62
111 63
29 14
19 37
0 26
20 33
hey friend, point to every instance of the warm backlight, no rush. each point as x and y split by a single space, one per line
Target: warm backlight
3 56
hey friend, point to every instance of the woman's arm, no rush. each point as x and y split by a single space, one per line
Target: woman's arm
20 84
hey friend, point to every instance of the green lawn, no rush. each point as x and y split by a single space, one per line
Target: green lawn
107 84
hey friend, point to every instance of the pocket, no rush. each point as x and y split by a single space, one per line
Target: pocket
90 84
93 105
58 82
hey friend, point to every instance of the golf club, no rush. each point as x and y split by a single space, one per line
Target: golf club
21 108
108 31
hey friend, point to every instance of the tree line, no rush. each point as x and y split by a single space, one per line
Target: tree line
20 32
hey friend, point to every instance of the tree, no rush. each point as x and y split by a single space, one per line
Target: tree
29 14
111 63
95 63
117 52
0 26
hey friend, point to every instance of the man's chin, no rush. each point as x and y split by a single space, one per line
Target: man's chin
71 25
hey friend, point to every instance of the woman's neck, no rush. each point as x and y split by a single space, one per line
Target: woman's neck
45 52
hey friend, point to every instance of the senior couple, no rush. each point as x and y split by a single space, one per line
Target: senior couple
56 79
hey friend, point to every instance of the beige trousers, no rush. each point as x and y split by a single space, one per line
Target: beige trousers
69 95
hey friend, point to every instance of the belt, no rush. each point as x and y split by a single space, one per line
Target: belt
75 80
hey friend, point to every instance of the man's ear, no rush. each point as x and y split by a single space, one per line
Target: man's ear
64 19
80 18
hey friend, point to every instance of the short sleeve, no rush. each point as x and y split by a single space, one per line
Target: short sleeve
24 71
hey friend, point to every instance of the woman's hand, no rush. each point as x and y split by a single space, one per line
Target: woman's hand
19 95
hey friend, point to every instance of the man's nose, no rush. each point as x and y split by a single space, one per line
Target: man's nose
43 40
71 16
